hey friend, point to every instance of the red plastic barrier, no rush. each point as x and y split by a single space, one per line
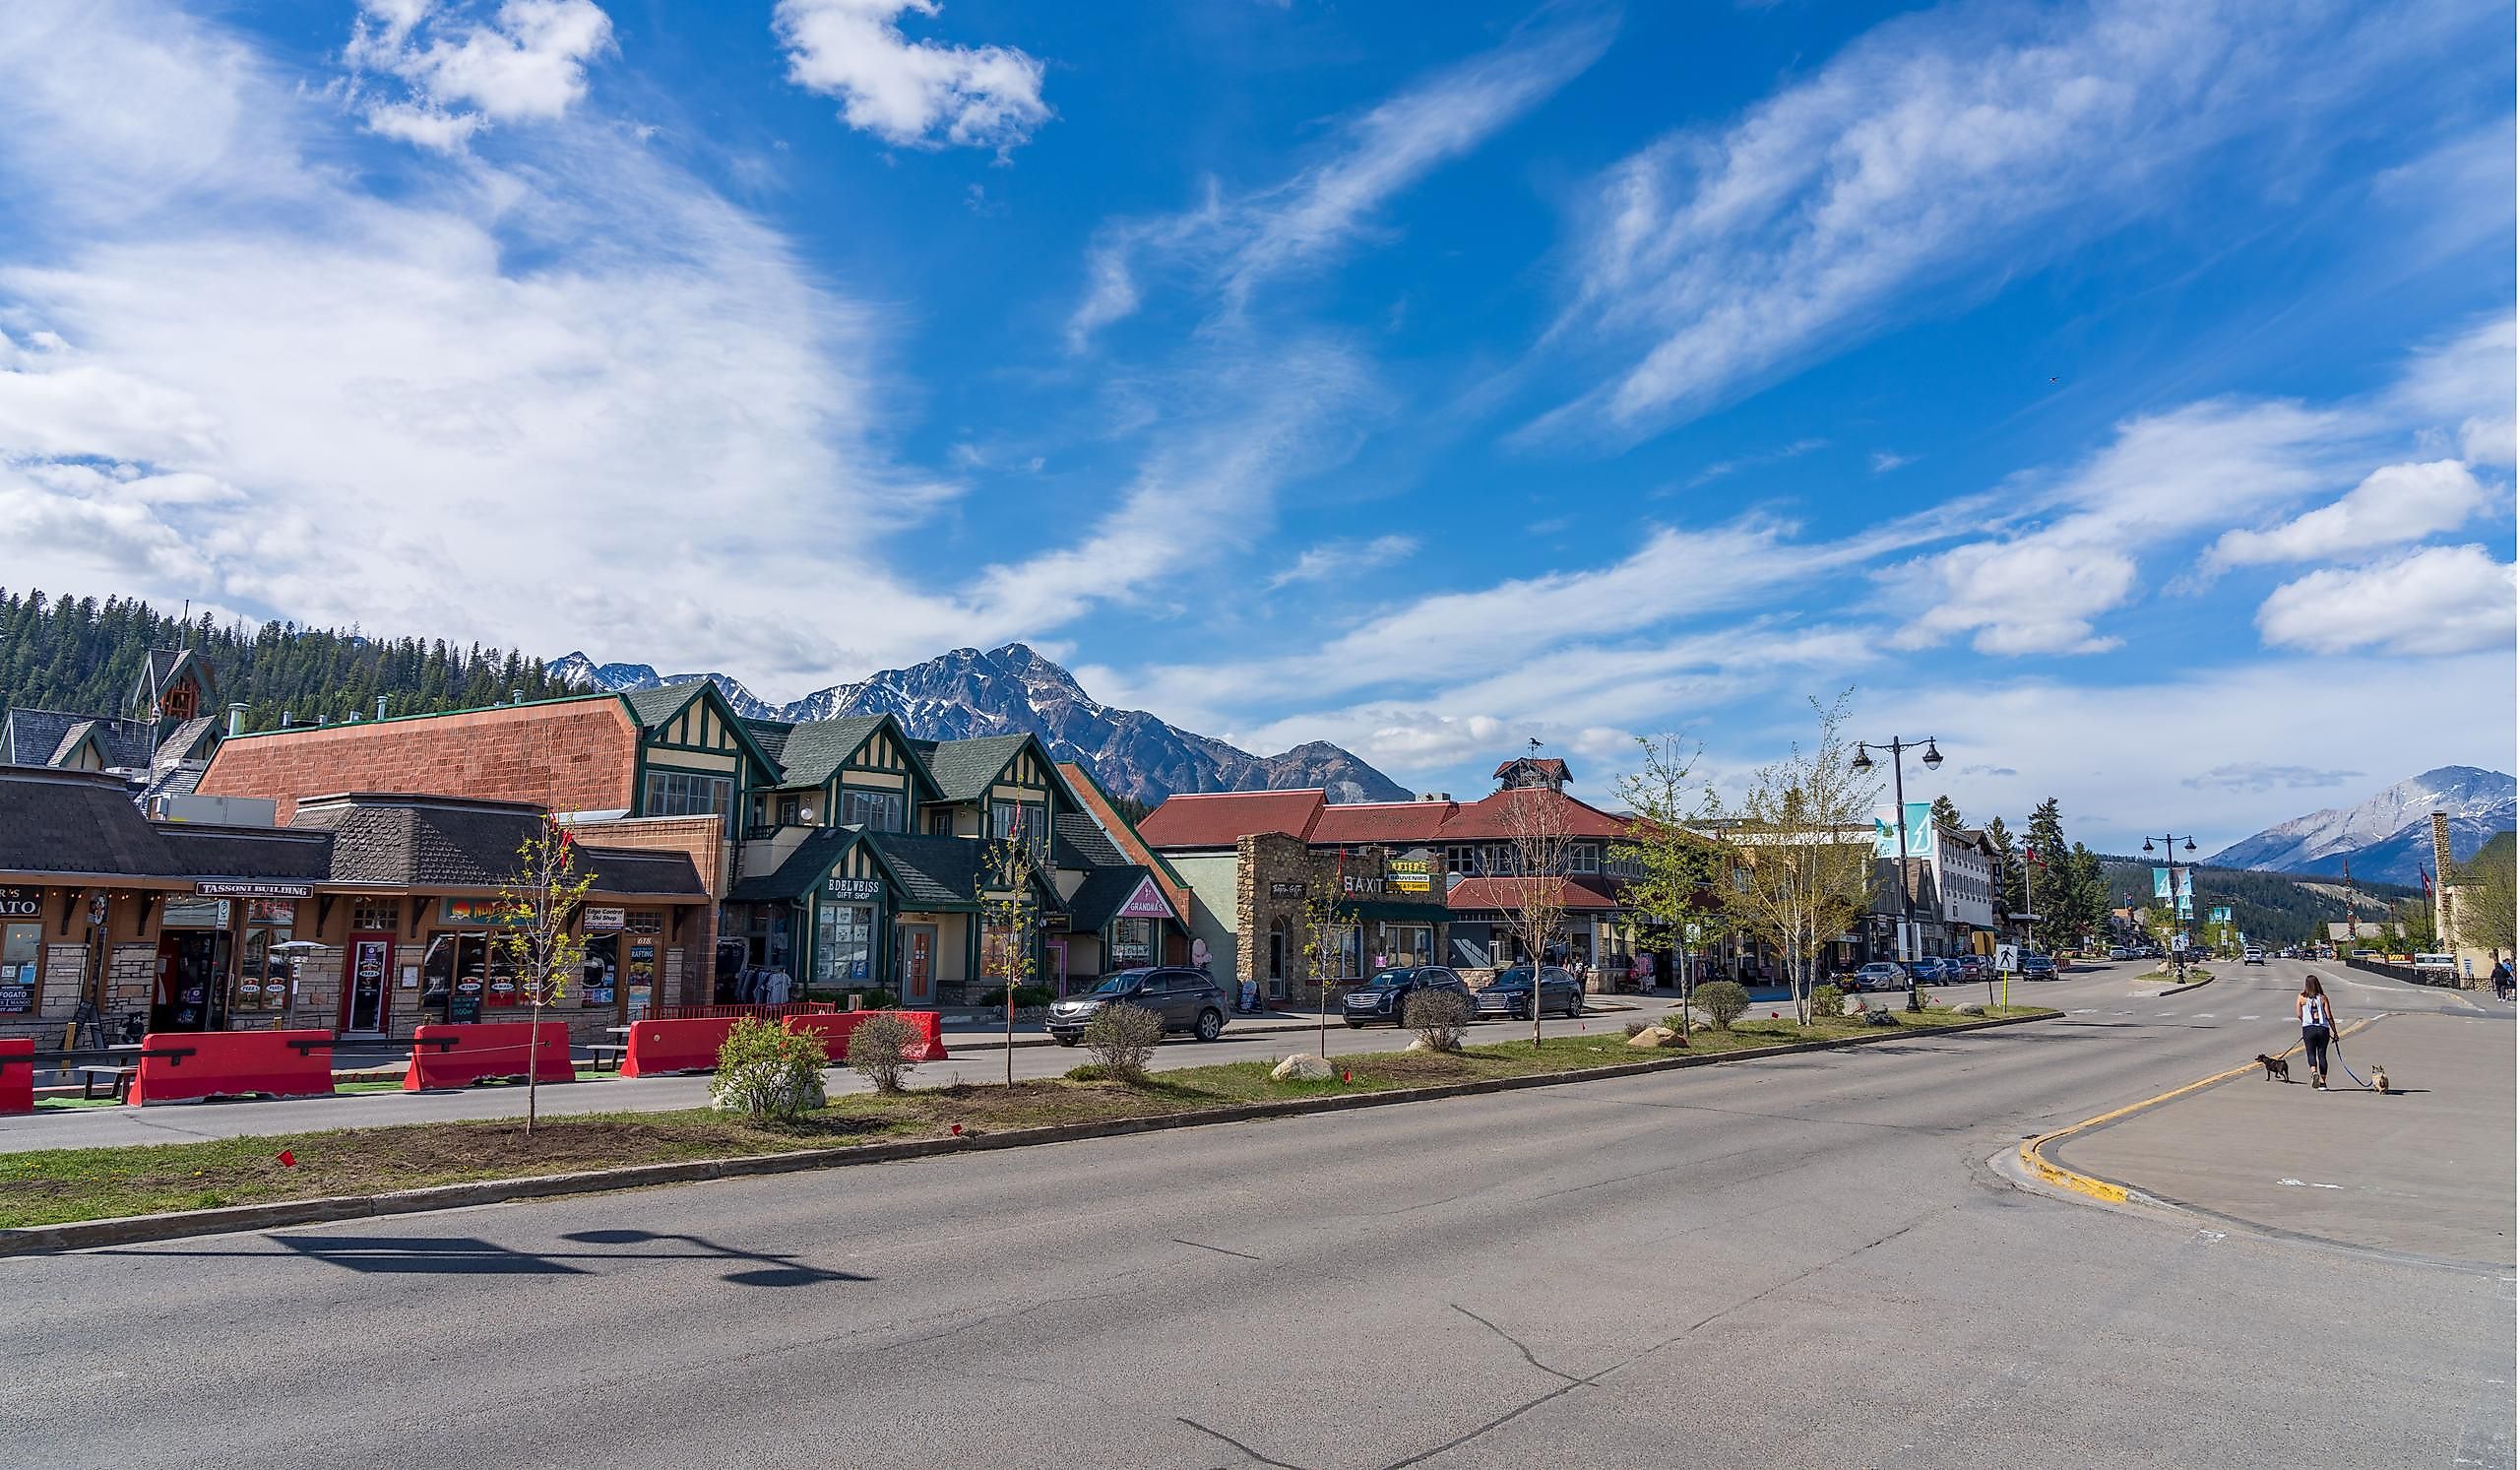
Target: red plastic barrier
660 1047
460 1055
835 1029
17 1074
180 1067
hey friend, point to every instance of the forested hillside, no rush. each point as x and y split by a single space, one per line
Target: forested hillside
83 656
2269 905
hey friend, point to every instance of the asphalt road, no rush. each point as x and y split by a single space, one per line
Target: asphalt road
1803 1262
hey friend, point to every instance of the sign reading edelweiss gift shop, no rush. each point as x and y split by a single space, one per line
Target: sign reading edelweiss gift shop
854 890
221 889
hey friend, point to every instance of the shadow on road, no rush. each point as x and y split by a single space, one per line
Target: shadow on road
471 1256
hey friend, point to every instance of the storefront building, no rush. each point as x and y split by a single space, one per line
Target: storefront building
369 916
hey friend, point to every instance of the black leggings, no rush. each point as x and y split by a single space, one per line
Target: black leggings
2314 1047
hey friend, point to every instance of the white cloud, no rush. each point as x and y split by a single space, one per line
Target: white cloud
1983 137
1344 558
2468 382
2163 477
2438 600
910 94
1237 244
1884 461
527 62
2394 504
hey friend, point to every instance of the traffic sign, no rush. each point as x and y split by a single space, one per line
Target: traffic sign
2007 959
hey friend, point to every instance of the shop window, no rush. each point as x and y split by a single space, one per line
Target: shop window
844 944
1132 944
1019 819
376 919
690 794
20 949
264 981
876 812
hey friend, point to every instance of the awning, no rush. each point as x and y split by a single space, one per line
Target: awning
1393 911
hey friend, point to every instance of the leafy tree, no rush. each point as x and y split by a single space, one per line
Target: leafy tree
1543 852
1675 866
1800 840
1011 912
2483 907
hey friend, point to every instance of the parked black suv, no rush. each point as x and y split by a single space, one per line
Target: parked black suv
1510 994
1186 1000
1386 996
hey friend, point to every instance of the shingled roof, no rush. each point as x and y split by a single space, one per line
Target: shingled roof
400 841
77 822
1097 900
814 749
965 769
1078 841
798 871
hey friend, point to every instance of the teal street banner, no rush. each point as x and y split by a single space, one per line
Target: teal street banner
1921 832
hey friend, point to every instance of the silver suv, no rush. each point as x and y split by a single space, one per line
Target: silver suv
1186 1000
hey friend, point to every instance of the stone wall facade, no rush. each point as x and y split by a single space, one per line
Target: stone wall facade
1274 873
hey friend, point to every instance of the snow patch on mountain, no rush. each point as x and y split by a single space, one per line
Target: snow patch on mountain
2388 834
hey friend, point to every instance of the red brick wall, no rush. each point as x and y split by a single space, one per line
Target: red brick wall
580 755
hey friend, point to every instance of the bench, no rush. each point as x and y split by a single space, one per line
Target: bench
120 1074
607 1052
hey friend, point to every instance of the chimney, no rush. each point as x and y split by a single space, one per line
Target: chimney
1434 796
285 720
380 706
236 719
515 696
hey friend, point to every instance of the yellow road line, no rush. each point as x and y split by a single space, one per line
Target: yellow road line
2037 1163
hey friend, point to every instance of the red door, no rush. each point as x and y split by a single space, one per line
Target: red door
367 984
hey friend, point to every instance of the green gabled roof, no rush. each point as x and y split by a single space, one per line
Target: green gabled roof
799 870
965 769
932 872
772 737
814 749
653 707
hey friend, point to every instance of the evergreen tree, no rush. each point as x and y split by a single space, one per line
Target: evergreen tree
1945 814
2051 878
2009 898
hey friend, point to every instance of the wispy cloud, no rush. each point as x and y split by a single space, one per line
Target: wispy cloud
460 73
1344 558
1883 461
2438 600
1233 244
2393 505
1723 468
1979 140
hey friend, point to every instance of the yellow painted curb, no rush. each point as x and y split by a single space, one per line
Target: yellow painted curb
2050 1172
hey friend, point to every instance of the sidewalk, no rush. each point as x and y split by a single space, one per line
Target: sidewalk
2427 1171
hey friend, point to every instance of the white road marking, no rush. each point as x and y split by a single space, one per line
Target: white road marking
2204 1015
2305 1185
2248 1018
2165 1013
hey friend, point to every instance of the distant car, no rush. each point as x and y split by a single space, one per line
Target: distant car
1510 994
1186 1000
1932 969
1880 975
1386 996
1973 968
2038 967
2121 952
2252 956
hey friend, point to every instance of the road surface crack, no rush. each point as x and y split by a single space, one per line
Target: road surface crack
1236 1444
1219 1249
1519 1345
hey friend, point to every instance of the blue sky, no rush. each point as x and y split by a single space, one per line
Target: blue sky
2120 392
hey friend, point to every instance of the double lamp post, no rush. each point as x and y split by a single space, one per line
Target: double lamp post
1932 759
2170 854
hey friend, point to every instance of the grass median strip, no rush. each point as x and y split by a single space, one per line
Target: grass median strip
57 1186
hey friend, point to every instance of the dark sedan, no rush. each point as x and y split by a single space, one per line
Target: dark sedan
1186 1000
1386 996
1510 994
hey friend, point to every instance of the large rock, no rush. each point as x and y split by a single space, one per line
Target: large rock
1968 1010
1879 1018
1303 1067
1851 1005
1652 1037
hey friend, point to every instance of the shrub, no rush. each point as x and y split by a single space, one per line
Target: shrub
1121 1037
1723 1000
1828 1003
1025 996
1638 1028
879 1049
1439 1017
765 1070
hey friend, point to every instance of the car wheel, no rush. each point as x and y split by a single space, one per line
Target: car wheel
1574 1006
1355 1025
1210 1026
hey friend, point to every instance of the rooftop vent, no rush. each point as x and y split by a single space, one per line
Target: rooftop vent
1434 796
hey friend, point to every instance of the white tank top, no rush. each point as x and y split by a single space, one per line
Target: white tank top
2314 1010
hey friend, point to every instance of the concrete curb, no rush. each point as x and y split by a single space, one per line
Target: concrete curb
83 1234
2110 1191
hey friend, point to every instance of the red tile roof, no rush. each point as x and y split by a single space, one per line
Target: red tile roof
1491 817
1388 822
1222 818
1507 893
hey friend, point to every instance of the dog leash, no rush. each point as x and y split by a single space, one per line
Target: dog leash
2333 1040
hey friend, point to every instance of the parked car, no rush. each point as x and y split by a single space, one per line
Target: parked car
1932 969
1386 996
1510 994
2121 952
1186 1000
1880 975
1973 968
2038 967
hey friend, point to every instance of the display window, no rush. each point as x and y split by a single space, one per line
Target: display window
844 943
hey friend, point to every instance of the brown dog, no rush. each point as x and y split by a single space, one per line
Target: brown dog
2277 1068
2379 1079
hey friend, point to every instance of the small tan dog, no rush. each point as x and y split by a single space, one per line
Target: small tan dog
2379 1079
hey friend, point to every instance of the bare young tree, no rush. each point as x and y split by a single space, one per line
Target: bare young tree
1322 950
1675 866
1800 840
1538 852
1009 914
535 910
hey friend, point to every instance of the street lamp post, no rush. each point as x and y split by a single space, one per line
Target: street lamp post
1932 758
2170 854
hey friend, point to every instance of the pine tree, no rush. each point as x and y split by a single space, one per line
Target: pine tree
1946 816
2051 878
2009 898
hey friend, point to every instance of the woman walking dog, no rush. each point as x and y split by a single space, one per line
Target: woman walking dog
2318 1028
